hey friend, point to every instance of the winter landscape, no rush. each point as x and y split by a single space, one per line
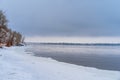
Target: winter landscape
59 40
16 64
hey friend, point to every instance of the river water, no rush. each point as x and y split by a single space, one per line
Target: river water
102 57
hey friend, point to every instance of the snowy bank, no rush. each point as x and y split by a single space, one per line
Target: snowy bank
15 64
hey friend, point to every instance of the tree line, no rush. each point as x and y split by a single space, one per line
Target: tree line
7 36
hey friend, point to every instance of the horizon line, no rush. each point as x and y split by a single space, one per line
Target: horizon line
73 43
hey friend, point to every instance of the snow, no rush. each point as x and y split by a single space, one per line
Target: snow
16 64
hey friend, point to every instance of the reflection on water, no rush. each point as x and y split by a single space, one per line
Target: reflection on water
103 57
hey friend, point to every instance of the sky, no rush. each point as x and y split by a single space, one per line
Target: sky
66 19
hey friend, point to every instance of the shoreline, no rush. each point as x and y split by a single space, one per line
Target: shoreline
16 64
98 57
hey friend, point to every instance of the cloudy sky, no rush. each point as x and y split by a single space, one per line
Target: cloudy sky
64 18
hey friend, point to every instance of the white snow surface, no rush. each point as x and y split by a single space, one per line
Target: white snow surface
16 64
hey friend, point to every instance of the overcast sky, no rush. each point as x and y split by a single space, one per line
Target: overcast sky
72 18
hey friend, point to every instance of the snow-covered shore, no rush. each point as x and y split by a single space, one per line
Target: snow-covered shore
15 64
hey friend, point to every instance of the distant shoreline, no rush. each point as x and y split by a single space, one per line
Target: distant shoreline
81 44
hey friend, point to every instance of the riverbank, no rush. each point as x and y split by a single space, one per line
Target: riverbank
102 57
16 64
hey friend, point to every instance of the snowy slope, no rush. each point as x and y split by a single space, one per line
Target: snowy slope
15 64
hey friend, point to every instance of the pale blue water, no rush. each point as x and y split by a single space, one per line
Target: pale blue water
104 57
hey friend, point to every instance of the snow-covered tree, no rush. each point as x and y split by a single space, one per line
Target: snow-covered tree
3 20
7 36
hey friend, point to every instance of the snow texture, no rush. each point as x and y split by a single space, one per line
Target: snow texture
16 64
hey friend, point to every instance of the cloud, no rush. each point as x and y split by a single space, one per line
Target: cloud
64 17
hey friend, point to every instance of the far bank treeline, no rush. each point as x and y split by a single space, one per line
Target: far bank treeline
7 36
